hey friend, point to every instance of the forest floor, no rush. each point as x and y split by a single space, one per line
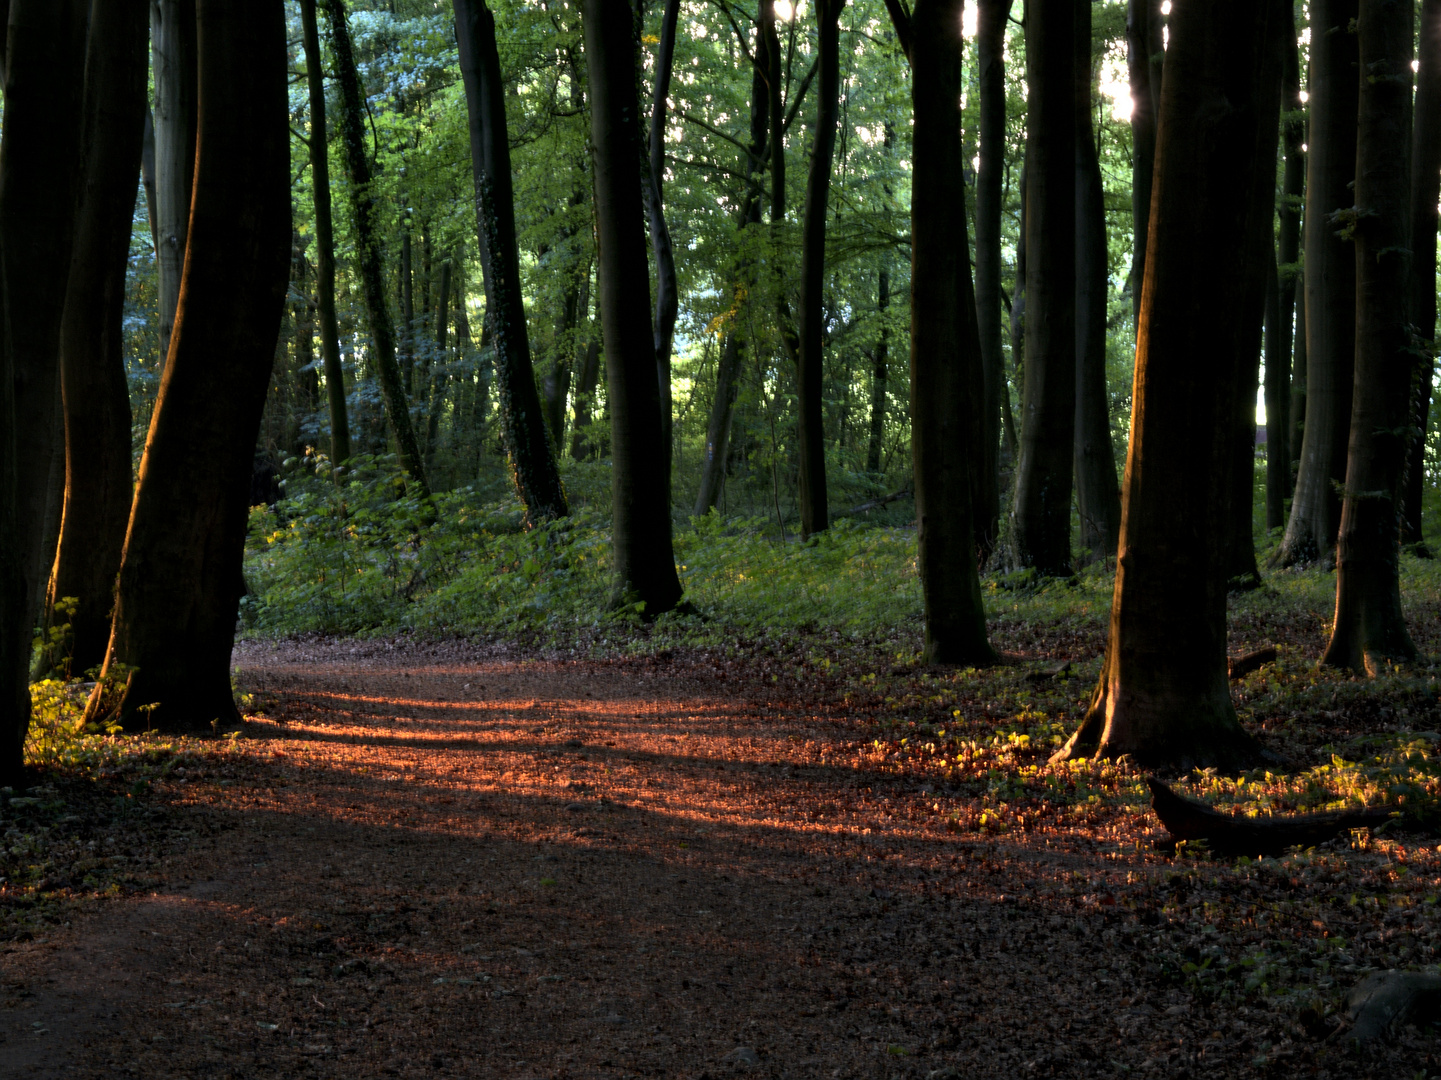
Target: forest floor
457 860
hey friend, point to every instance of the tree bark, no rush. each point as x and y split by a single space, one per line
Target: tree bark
147 178
180 578
367 246
1242 573
92 347
532 457
1098 497
1330 285
581 447
667 290
880 375
1145 56
643 561
172 36
1370 630
1298 375
1163 695
438 374
407 314
1041 518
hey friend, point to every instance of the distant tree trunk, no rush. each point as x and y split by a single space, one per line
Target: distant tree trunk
1278 412
1018 304
1330 285
810 374
667 291
439 374
556 385
180 579
92 348
1242 573
407 314
324 240
1145 54
1163 696
880 374
1097 496
644 561
1370 630
1298 374
1041 519
1425 193
172 36
532 457
307 385
581 448
147 178
367 245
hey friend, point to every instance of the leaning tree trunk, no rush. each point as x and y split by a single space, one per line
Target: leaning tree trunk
367 246
810 374
1163 696
172 36
92 345
324 240
667 291
40 154
180 580
1370 631
1097 496
522 422
1330 285
644 561
1145 54
1425 193
1041 517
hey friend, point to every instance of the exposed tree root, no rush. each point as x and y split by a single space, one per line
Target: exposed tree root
1385 1000
1238 667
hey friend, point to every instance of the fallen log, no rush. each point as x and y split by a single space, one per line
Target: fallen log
876 504
1238 667
1384 1001
1231 834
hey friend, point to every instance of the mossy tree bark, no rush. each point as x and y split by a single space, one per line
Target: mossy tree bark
1163 696
180 577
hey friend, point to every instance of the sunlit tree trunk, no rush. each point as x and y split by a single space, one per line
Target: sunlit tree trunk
667 291
172 36
1145 55
180 578
1163 696
1370 630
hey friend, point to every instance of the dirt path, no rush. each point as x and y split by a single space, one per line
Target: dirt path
459 865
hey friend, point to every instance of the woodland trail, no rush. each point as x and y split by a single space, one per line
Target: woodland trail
453 862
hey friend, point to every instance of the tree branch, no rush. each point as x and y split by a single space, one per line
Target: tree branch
901 19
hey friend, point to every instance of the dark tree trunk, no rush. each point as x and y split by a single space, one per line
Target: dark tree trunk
172 36
1163 696
1097 496
810 374
581 447
1298 374
556 385
1041 519
945 346
367 246
533 465
307 383
407 314
1425 193
644 562
1370 631
667 292
1145 55
1018 307
1278 404
40 155
439 374
180 579
147 178
880 374
92 348
324 240
1242 573
1330 285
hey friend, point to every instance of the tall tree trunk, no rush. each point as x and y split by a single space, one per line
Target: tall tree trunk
810 375
643 561
1145 55
1425 193
581 446
991 18
324 240
147 178
1097 495
556 385
1163 696
172 36
367 246
92 348
1298 374
880 375
1018 307
532 457
1370 630
440 372
1330 285
1041 519
40 155
1278 412
407 314
1242 573
667 291
180 579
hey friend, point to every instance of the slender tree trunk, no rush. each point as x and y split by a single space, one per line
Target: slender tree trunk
556 386
667 291
180 579
880 374
407 314
1278 404
1330 285
147 178
1097 495
172 36
581 447
1145 54
1041 519
367 245
532 457
324 240
1370 630
1018 308
644 562
440 372
1298 375
1425 194
1163 696
1242 573
92 348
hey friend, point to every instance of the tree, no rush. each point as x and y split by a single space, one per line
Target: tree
667 290
1041 517
324 239
1145 54
180 578
1370 630
1330 275
644 562
172 35
1163 695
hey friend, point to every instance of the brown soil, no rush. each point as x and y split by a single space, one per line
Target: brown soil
451 862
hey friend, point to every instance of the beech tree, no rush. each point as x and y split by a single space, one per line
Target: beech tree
1145 54
172 36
